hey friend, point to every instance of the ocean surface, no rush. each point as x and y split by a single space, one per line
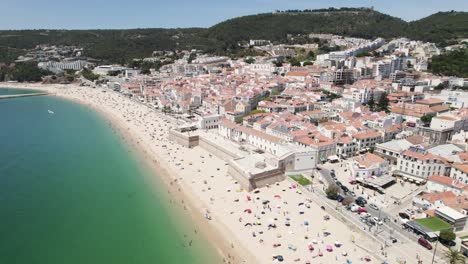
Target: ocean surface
72 192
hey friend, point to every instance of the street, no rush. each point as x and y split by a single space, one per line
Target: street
391 228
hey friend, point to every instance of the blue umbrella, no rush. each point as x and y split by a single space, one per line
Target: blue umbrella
306 222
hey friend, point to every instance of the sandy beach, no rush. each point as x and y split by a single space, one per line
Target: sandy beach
245 227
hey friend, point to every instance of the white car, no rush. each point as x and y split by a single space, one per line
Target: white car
365 215
374 206
377 220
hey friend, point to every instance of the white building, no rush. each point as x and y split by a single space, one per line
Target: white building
392 150
418 164
459 172
440 184
209 121
368 165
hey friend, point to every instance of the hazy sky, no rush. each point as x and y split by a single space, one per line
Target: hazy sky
85 14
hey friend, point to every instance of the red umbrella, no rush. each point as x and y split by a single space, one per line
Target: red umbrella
277 196
248 211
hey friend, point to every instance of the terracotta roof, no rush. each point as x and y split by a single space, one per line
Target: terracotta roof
432 197
461 167
440 108
257 133
430 101
227 123
297 73
420 156
369 160
445 118
415 139
441 179
430 212
367 134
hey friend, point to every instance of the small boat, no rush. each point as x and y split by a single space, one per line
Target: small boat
50 112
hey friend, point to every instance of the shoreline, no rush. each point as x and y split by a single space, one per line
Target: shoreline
243 228
184 198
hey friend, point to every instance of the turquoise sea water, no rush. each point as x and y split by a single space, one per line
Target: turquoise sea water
71 192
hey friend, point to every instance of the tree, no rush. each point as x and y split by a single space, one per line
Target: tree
371 103
332 191
145 71
249 60
23 72
447 235
278 63
440 86
88 74
382 105
409 65
363 54
426 119
347 200
294 62
454 257
307 63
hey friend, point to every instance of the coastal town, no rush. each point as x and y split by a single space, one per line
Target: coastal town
358 155
328 135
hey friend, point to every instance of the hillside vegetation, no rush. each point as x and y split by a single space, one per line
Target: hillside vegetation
440 27
275 26
121 46
111 45
453 63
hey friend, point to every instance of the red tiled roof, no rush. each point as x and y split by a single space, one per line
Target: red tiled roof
461 167
367 134
420 156
441 179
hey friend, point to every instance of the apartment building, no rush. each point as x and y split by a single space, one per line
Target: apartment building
368 165
367 139
418 164
459 172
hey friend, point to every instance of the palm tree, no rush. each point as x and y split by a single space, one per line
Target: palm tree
455 256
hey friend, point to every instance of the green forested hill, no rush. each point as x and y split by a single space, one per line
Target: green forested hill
112 45
275 26
440 27
122 45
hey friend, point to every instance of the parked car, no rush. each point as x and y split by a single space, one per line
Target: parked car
374 206
365 214
339 198
339 183
361 210
361 201
354 208
447 243
423 242
344 188
351 205
404 215
352 193
377 220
